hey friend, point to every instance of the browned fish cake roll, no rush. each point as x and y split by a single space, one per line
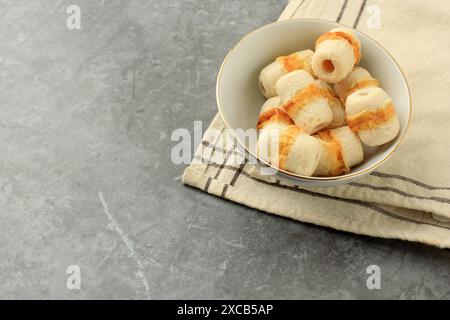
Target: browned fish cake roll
337 52
272 119
359 78
337 108
298 152
341 150
269 76
303 101
371 114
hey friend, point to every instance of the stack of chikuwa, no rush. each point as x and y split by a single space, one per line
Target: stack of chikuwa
317 130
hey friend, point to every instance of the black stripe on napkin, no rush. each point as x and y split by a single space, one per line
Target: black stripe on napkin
216 148
407 179
400 192
224 190
228 155
208 183
341 13
215 145
361 9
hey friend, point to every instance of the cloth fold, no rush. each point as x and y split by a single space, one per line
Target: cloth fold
408 197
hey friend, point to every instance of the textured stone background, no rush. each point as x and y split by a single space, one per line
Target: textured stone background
86 176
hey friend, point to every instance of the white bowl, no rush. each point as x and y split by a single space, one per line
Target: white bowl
239 99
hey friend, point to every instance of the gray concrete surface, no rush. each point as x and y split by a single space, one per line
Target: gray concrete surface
86 177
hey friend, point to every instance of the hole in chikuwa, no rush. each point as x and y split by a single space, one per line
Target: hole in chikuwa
328 66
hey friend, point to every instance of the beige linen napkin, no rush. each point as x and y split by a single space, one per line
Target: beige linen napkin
408 197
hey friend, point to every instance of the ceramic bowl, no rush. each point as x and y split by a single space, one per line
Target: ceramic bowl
239 98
